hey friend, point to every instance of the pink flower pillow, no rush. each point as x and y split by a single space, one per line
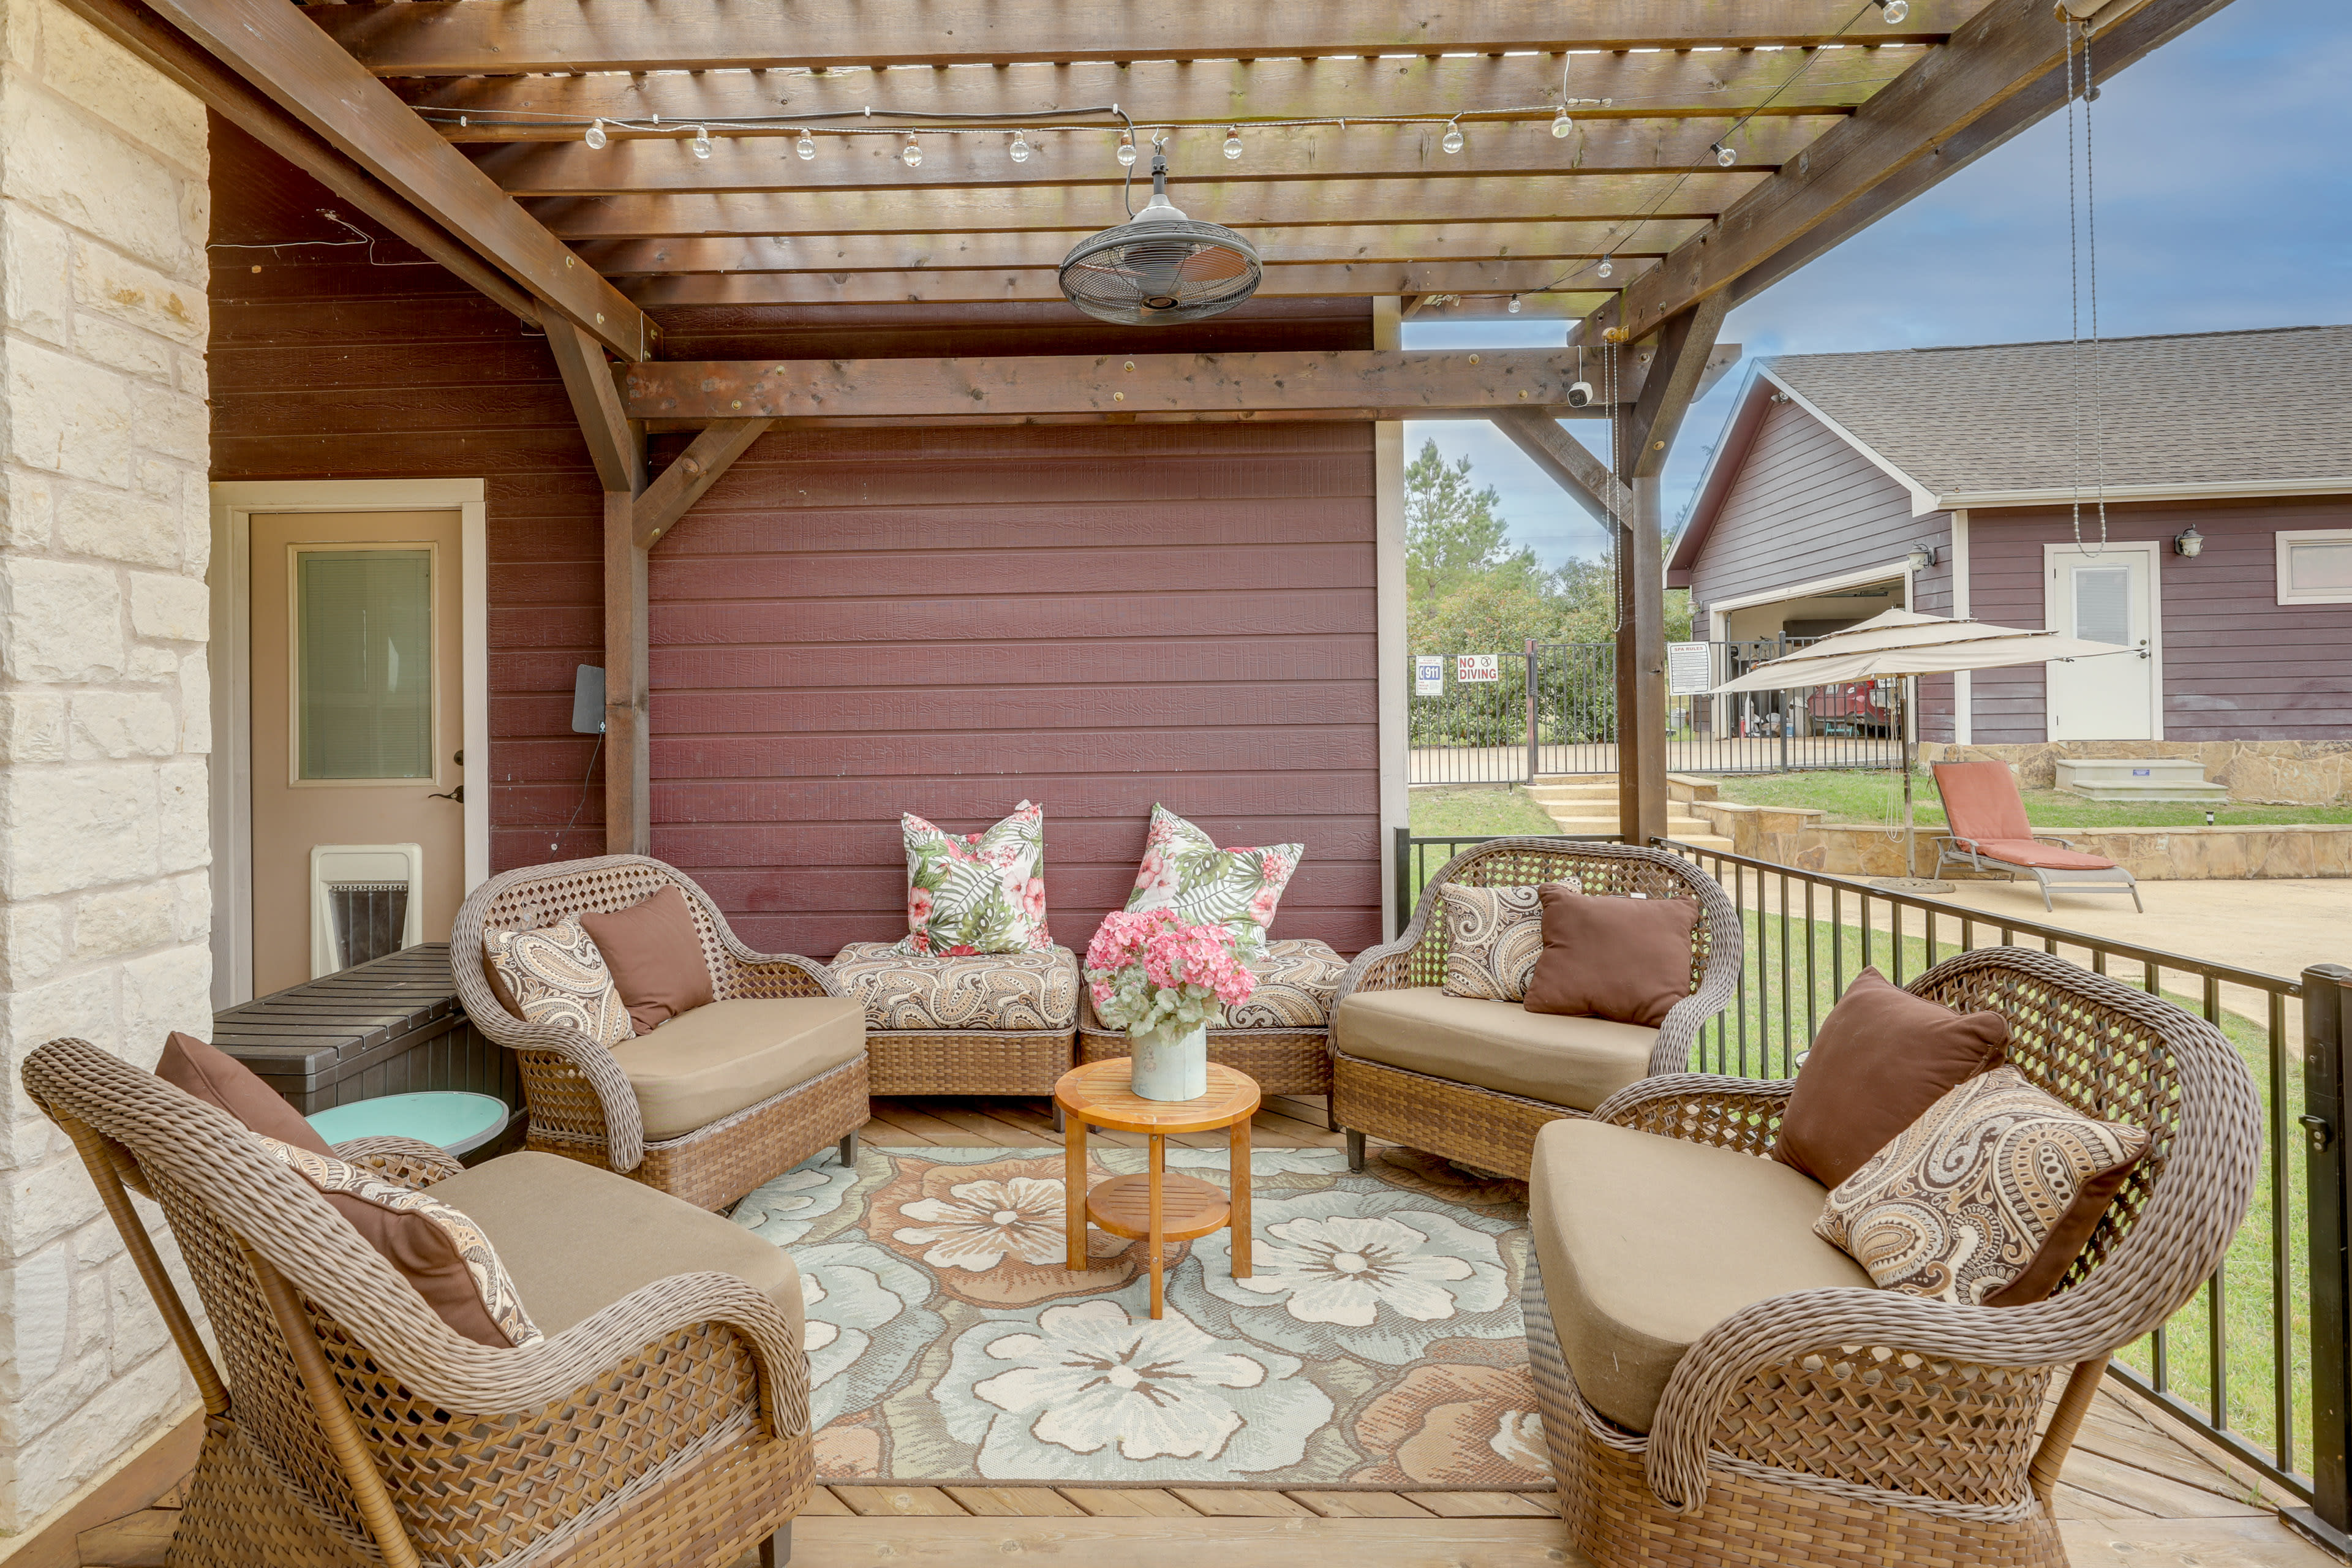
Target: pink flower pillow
1185 871
979 892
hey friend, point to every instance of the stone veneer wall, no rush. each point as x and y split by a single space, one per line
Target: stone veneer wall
2271 772
105 720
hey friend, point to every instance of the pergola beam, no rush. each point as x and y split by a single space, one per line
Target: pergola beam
1530 280
1568 464
616 448
1385 383
1210 92
706 458
1603 198
463 37
275 46
1065 158
2003 50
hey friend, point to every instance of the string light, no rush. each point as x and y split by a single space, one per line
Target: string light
1892 12
1020 148
1723 156
1606 267
1233 142
1452 140
596 137
1561 125
1126 150
911 154
1514 305
805 146
702 141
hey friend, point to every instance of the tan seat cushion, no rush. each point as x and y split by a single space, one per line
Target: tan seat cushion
1645 1243
1020 991
1561 1060
726 1056
575 1239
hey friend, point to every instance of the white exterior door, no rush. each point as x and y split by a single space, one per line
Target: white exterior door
2109 596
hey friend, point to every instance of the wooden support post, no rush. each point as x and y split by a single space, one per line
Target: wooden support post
628 783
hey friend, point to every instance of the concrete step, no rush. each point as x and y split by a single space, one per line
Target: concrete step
2193 794
1593 822
2138 778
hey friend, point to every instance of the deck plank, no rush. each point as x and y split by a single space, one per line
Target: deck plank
2159 1496
822 1503
2263 1542
1015 1502
1137 1502
1489 1505
1236 1502
899 1502
1362 1505
1159 1542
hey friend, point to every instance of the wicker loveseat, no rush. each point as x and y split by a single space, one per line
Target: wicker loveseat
1454 1076
586 1102
663 1419
1764 1392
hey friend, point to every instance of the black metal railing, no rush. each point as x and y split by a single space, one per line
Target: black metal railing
2257 1361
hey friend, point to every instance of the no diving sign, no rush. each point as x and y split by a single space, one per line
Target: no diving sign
1477 667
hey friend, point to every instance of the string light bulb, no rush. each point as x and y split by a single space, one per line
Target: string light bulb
1514 305
1126 150
1723 156
702 141
805 146
1892 12
1561 125
911 154
1452 140
1606 267
1233 142
596 137
1020 148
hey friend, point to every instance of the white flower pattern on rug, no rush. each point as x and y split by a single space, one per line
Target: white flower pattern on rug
787 1208
1386 1270
1093 1383
980 1223
863 1322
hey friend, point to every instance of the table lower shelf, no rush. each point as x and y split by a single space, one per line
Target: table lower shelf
1189 1206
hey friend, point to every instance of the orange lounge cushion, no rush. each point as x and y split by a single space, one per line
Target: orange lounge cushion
655 955
2046 856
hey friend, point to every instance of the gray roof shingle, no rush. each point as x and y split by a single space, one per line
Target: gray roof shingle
2207 408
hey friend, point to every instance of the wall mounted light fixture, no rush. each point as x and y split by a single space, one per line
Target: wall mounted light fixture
2188 543
1922 556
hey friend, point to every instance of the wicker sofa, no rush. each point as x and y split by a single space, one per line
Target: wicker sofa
587 1103
664 1418
1475 1081
1717 1381
992 1023
1280 1037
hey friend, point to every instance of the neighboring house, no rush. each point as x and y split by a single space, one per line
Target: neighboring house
1947 481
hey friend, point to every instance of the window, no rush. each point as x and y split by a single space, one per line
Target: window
362 664
2103 604
2315 566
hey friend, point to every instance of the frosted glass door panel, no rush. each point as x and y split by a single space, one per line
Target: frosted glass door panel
363 663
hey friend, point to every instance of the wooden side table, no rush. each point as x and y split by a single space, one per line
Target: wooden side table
1156 1207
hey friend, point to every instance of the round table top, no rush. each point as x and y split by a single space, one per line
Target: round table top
1099 1091
456 1119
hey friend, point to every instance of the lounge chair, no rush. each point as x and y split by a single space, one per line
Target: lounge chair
1989 833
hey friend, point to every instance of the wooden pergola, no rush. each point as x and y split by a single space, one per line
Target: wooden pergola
1713 147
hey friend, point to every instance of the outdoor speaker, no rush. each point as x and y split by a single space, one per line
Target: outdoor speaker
588 700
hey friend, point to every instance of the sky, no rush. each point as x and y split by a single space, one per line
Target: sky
2223 168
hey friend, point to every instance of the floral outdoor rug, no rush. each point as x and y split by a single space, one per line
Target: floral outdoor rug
1378 1343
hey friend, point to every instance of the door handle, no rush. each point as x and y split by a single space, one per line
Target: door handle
457 795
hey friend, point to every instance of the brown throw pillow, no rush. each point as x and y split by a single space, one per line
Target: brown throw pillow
1628 960
656 957
219 1080
1879 1060
409 1242
1987 1198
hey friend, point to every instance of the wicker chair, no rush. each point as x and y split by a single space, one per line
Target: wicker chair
1879 1427
580 1103
348 1427
1487 1127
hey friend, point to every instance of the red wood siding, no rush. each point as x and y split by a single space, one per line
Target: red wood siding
1805 506
2238 664
855 624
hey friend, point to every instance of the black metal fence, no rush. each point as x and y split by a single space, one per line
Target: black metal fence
1546 709
2258 1361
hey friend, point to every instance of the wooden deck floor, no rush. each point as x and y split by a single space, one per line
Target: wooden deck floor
2138 1491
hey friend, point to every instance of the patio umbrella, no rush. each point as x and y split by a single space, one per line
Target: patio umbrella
1904 644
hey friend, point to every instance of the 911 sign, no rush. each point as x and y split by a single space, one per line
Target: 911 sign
1474 666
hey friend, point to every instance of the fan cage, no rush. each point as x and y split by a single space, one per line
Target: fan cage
1157 271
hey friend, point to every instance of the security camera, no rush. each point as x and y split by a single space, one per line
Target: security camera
1579 394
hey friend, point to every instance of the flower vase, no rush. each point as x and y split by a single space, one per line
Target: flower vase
1169 1063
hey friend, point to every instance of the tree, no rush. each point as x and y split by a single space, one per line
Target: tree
1452 531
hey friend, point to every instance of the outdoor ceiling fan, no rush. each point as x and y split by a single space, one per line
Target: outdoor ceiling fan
1161 266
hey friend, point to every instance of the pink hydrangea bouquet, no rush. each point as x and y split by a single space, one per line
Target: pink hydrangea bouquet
1149 972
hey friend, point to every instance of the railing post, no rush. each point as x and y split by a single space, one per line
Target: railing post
1403 878
2326 1008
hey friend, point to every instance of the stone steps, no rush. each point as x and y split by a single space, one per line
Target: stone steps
2128 779
1587 804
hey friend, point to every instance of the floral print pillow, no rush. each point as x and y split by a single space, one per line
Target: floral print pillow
979 892
1184 870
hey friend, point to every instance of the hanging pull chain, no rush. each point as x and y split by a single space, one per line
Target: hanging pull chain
2082 247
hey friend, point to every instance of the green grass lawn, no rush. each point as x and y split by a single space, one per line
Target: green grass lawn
1872 797
1488 811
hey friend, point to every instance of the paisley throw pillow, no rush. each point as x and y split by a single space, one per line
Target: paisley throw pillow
441 1251
978 892
1493 938
555 976
1185 871
1987 1198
